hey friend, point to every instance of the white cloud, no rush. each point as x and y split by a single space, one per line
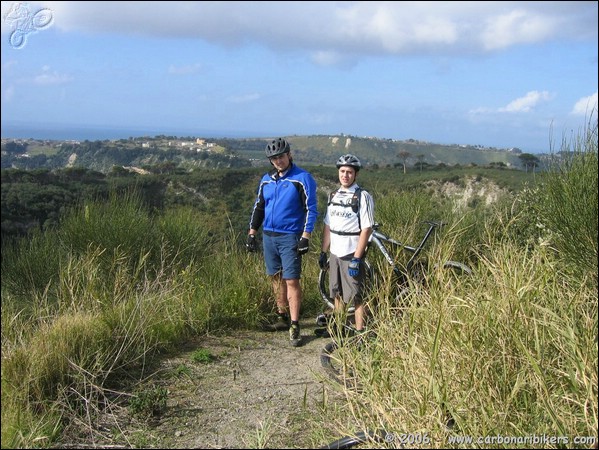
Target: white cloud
585 106
347 28
51 78
516 27
528 102
480 111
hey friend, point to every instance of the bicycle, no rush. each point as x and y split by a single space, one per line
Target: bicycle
361 437
405 279
414 269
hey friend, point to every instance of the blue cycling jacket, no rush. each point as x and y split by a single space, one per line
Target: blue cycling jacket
286 204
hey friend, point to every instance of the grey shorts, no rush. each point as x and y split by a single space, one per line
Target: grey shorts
341 284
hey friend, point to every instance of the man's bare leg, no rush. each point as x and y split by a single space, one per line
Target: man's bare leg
294 298
280 290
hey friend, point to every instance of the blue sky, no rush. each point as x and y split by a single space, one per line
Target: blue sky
497 74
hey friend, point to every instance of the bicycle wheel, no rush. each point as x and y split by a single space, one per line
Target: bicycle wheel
323 284
409 283
418 278
348 441
334 366
360 437
329 362
456 269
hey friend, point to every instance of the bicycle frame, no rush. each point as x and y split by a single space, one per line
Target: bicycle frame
379 239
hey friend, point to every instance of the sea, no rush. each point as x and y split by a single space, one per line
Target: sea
93 133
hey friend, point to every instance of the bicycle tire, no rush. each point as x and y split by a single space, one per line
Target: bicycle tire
335 368
360 437
417 274
323 284
457 267
327 363
453 271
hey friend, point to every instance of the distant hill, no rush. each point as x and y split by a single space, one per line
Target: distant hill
325 149
190 152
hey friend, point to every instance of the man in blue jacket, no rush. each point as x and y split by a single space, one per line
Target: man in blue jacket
286 208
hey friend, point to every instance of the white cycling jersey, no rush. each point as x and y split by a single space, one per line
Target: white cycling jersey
345 223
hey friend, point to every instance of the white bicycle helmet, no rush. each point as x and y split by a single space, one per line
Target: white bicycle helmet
277 147
349 160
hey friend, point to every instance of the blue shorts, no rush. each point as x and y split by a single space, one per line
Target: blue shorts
280 255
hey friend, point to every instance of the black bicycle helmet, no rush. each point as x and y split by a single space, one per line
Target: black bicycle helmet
277 147
349 160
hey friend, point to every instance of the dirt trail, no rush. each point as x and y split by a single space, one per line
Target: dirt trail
255 394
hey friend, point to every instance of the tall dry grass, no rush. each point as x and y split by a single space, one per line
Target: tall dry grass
512 350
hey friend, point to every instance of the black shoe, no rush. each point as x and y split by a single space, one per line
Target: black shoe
281 323
338 332
322 332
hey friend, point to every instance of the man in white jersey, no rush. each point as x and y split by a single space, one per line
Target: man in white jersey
347 227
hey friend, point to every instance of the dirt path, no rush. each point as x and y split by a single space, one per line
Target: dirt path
256 393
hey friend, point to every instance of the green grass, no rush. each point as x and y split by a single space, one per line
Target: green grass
36 148
203 356
149 403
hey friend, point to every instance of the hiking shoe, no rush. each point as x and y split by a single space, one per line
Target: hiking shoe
322 332
322 320
294 335
344 331
281 323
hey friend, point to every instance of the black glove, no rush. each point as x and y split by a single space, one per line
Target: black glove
322 261
251 245
354 267
303 246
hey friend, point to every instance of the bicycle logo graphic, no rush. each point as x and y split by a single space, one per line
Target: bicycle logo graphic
23 22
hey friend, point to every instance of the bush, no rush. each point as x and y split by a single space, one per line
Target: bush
567 204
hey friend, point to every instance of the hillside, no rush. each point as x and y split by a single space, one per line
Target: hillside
187 153
321 149
35 199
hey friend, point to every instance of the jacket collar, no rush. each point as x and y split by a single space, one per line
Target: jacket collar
274 174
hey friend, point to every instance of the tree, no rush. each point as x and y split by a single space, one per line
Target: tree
403 155
420 161
529 160
14 148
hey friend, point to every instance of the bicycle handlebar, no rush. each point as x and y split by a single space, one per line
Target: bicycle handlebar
434 224
376 234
